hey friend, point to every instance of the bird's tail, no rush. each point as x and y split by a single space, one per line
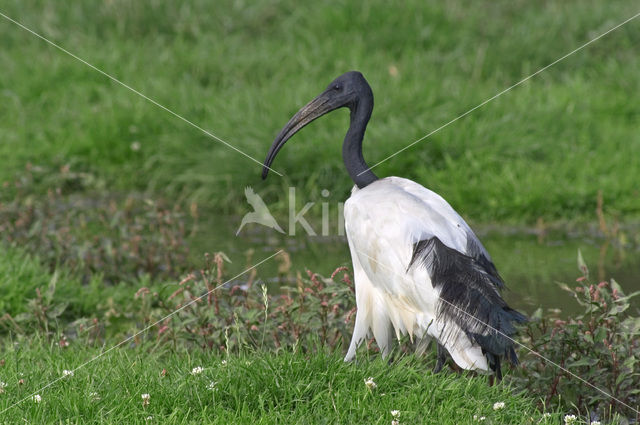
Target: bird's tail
497 339
488 322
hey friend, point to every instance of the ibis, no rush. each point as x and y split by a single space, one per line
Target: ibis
419 269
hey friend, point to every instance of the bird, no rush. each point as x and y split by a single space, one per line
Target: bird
419 269
260 214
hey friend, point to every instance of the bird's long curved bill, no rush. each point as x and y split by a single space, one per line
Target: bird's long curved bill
312 110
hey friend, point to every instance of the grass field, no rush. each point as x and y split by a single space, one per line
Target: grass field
240 70
283 388
96 182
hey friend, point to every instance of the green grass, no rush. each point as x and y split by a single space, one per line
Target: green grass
287 387
240 71
24 276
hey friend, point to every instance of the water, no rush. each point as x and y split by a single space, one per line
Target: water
531 264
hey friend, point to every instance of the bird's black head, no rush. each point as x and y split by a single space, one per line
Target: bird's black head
345 91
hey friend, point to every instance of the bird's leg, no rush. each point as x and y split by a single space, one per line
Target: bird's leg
441 356
391 359
497 376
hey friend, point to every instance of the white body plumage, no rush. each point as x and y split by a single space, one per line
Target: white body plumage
383 222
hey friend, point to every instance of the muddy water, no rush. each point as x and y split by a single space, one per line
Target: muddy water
532 263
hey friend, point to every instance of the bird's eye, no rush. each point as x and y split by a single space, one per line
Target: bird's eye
337 87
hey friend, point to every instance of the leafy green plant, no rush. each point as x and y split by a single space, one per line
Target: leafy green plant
600 345
244 314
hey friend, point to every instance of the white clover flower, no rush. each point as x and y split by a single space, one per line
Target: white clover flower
395 413
224 363
370 384
212 385
36 398
145 399
196 370
67 372
595 422
395 422
148 418
3 385
94 396
499 405
479 418
570 419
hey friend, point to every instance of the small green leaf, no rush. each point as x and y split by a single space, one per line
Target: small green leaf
582 266
615 285
618 308
600 334
621 378
51 289
536 314
631 325
224 256
629 362
56 310
584 362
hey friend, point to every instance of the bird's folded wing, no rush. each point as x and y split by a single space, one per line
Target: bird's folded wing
469 297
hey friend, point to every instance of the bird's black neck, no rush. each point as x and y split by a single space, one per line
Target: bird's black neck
352 146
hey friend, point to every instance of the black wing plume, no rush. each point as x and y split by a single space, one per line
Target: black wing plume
470 297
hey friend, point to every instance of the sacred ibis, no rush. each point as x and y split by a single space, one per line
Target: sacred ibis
418 267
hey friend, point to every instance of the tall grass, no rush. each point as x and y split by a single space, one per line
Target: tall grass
241 69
